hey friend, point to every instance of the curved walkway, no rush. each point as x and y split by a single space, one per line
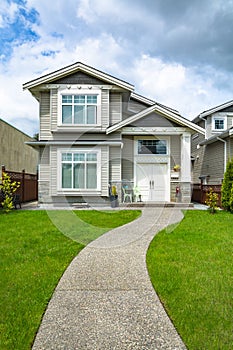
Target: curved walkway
105 299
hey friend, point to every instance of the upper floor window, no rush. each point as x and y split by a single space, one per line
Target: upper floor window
79 109
152 147
218 123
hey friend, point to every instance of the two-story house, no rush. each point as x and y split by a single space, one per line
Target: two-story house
96 132
212 151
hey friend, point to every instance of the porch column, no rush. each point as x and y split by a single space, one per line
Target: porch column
186 157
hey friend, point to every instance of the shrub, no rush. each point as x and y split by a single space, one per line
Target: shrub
8 188
212 200
227 185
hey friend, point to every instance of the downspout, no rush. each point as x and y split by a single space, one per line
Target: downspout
225 152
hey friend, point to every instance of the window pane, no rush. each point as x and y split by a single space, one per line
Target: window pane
152 147
79 157
66 114
66 98
219 124
79 99
91 157
66 156
92 99
79 115
79 179
66 176
91 176
91 114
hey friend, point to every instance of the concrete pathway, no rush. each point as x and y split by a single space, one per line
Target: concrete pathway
105 299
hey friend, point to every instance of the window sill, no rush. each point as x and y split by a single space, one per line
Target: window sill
79 192
73 128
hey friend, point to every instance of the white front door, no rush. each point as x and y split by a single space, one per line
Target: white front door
153 182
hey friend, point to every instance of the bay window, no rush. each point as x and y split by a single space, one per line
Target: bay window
79 170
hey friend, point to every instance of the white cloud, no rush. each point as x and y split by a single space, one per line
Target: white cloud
177 86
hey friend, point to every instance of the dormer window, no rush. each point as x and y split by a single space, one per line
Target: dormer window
219 123
79 109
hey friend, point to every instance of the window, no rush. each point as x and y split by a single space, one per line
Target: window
152 147
79 109
219 123
79 170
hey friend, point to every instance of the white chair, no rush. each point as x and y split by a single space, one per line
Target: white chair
137 194
126 195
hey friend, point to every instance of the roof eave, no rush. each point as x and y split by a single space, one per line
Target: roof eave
165 113
73 68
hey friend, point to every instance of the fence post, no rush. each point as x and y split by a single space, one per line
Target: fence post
23 185
3 170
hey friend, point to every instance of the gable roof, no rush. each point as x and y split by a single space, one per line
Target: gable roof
162 110
78 66
213 110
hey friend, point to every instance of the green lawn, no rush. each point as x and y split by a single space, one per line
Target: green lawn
33 256
191 269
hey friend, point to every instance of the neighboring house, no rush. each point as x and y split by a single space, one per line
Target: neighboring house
15 155
211 152
96 132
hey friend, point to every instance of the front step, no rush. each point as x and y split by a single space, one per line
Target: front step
157 205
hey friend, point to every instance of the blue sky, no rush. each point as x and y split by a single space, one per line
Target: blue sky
179 53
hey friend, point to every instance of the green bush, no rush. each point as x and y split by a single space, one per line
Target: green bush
227 186
212 200
8 188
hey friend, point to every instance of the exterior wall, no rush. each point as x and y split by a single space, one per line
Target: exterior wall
128 158
213 162
197 152
45 122
14 153
44 176
175 150
154 120
115 112
79 78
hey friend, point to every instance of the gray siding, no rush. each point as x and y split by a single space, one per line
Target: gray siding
197 152
208 126
154 120
44 174
175 147
115 112
54 109
105 108
115 164
54 170
79 78
128 158
213 162
104 170
45 122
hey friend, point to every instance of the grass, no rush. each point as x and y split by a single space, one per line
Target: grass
191 270
33 256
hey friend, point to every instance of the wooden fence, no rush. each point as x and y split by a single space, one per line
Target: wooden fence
28 189
199 192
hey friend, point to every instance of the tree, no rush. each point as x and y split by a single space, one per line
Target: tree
227 185
8 188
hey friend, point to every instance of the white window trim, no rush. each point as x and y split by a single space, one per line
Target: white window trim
79 91
59 170
219 117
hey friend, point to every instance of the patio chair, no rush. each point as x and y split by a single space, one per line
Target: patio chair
126 194
16 201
